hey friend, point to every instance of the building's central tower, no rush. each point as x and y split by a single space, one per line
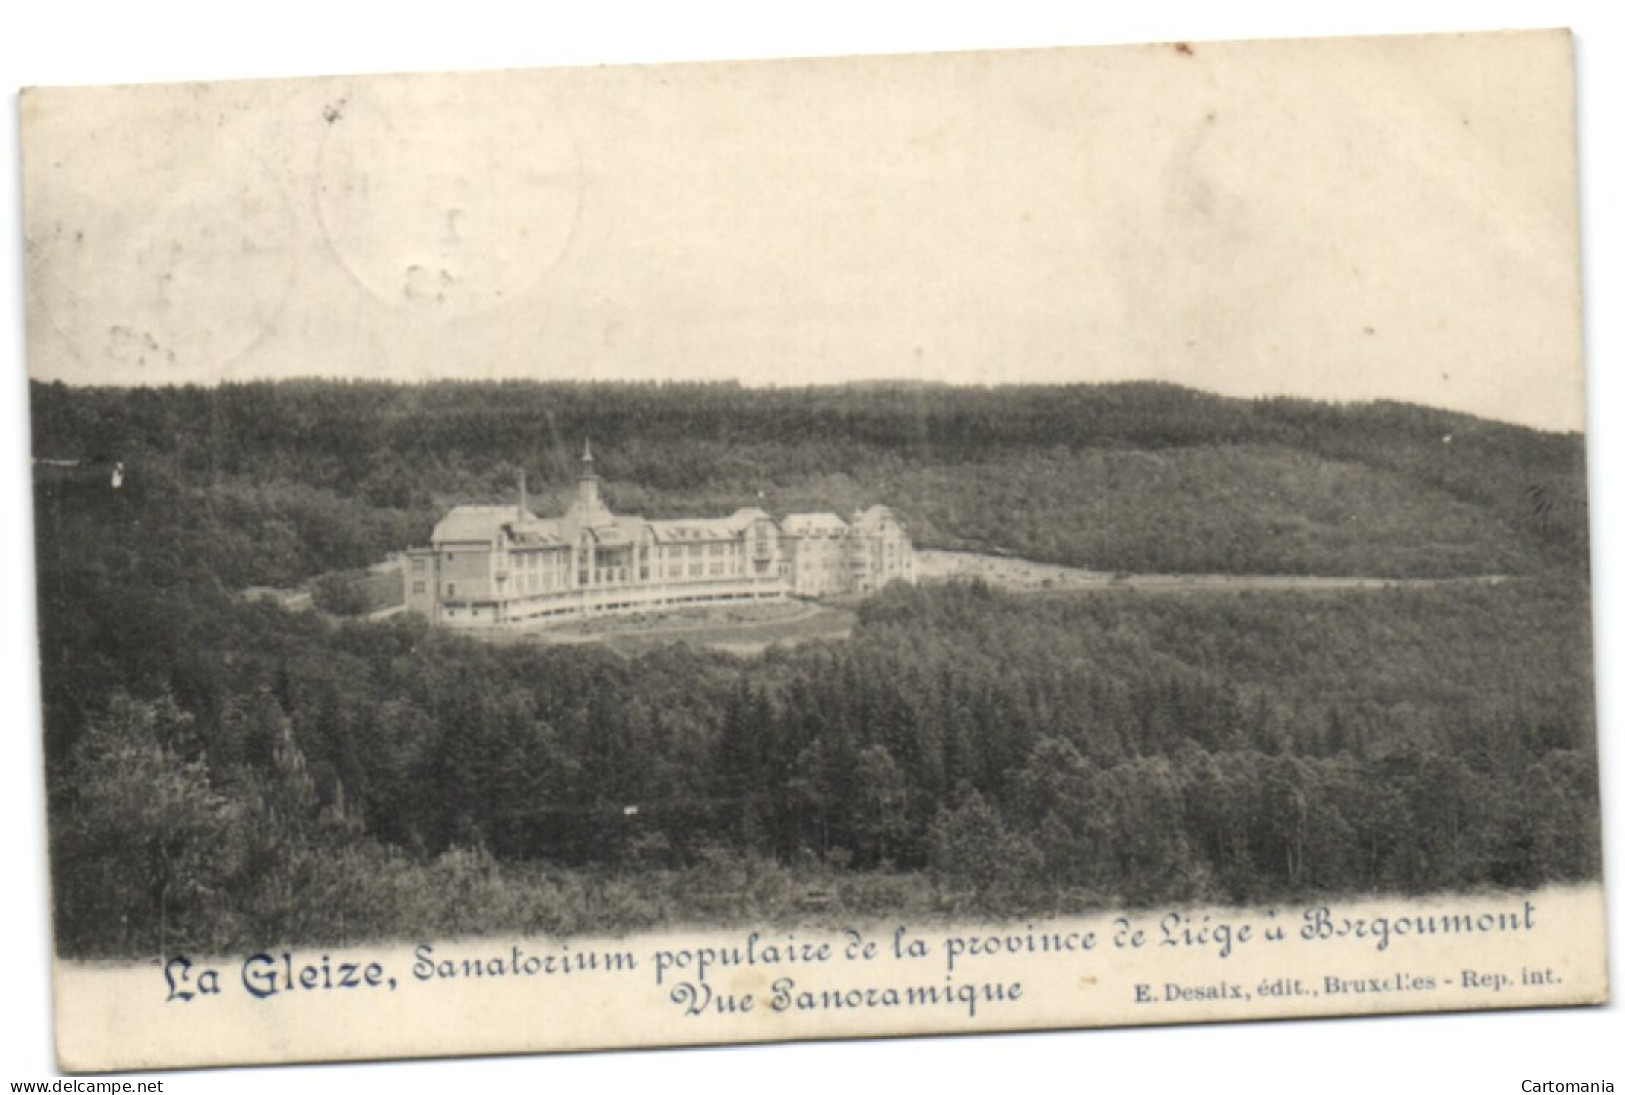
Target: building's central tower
587 484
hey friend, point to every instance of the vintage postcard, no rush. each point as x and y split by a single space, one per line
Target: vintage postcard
603 557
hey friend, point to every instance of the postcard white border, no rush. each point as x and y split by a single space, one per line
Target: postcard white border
66 44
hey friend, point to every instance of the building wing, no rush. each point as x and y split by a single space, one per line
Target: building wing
500 565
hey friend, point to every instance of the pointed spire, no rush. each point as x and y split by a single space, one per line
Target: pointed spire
587 483
524 500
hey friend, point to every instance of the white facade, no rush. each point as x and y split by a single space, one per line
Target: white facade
497 566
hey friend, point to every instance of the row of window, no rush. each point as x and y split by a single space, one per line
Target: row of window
532 560
617 575
702 560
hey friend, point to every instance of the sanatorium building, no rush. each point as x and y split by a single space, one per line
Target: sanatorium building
502 566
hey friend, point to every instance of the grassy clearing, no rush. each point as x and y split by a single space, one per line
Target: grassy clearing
744 629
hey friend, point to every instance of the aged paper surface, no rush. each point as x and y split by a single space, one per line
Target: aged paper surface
506 996
1331 221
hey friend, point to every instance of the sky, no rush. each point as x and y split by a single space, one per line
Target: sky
1346 219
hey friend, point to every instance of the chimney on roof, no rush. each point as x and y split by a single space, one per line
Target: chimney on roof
524 501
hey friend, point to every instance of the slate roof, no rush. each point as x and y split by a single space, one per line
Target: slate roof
801 524
694 529
615 535
484 524
472 524
538 534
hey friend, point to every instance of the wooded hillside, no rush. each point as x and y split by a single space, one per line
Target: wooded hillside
322 475
227 774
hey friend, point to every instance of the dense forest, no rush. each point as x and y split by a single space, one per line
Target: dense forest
225 773
279 481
